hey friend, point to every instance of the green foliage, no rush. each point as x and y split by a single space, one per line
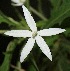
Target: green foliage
59 44
8 55
10 21
59 14
67 33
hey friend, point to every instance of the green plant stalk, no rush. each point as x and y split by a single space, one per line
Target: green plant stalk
34 63
17 67
40 6
18 14
28 4
3 31
18 25
60 68
51 23
38 14
11 21
20 17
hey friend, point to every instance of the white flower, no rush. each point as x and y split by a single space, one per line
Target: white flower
18 2
34 35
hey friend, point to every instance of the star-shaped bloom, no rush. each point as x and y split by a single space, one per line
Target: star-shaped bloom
34 35
18 2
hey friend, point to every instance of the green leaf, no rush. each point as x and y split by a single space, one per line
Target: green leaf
32 68
40 23
8 55
64 65
57 16
56 4
33 62
50 40
67 32
10 21
1 19
66 45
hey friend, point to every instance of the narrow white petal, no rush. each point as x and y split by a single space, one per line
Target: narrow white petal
44 47
29 19
50 31
26 50
19 33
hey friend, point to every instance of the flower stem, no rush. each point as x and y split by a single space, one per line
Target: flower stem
3 31
40 6
33 61
38 14
20 17
28 5
18 14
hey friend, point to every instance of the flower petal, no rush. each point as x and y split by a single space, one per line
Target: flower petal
44 47
19 33
30 21
50 31
17 4
26 50
16 1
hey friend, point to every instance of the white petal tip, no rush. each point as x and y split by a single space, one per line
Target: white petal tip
6 33
63 30
50 58
21 60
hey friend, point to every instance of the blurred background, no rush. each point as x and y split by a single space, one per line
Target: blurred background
47 14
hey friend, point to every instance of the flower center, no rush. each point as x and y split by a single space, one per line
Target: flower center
34 34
